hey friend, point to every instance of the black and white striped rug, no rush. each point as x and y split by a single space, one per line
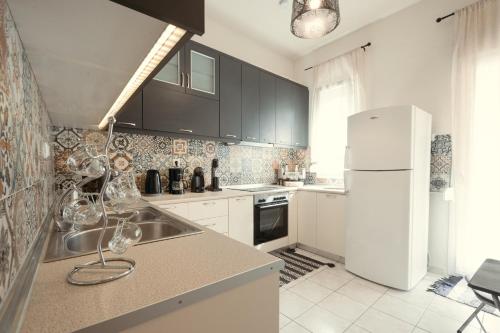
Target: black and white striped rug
296 265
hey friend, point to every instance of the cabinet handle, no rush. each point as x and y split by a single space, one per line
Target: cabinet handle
210 225
188 81
209 203
124 123
241 199
331 196
182 79
297 143
251 138
231 136
185 130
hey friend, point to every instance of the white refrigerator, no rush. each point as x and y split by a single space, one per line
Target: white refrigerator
387 195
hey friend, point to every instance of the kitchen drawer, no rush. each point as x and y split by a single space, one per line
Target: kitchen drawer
218 224
207 209
178 209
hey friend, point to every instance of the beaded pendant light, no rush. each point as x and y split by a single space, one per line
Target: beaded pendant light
314 18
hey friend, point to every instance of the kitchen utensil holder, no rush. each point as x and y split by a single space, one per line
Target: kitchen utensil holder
102 265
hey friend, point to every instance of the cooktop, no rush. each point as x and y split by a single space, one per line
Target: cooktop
259 189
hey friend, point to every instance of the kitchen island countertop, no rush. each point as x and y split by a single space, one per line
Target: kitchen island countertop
168 273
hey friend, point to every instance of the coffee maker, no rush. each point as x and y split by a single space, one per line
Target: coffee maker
198 181
175 178
214 187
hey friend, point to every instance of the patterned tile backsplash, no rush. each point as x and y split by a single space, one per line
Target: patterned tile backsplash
26 164
237 164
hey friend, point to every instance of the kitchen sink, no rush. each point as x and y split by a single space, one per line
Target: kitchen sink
155 225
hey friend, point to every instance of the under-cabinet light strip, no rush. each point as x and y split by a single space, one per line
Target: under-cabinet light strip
160 49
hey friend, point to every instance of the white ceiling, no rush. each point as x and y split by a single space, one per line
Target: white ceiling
82 52
269 22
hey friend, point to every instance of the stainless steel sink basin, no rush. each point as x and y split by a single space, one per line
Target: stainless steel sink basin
155 225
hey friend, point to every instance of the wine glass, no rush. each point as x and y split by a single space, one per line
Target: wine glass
87 160
80 209
122 192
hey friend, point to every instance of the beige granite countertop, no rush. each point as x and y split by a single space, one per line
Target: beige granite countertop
165 269
227 193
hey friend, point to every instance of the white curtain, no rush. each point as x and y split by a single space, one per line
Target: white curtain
476 136
338 92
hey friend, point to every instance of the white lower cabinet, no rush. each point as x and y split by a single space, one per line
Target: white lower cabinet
200 210
219 224
292 218
241 219
321 221
180 209
307 217
330 223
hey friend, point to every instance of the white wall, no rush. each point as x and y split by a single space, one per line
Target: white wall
409 61
238 45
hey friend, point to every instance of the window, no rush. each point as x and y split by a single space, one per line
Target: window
337 93
334 106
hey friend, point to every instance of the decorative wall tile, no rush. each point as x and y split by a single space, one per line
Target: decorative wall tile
441 162
26 177
180 147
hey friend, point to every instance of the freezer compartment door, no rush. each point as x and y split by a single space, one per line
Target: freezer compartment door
378 226
380 139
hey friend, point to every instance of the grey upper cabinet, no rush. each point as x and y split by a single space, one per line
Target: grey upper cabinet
170 111
230 98
130 116
202 71
300 131
267 108
285 112
193 70
250 103
173 73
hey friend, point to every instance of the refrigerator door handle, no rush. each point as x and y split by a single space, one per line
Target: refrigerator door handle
347 182
347 158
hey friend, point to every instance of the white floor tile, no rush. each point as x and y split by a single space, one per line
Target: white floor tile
491 322
360 293
372 285
419 330
292 305
449 308
284 320
328 279
343 306
340 270
418 296
318 320
436 323
311 291
356 329
378 322
293 327
295 282
399 309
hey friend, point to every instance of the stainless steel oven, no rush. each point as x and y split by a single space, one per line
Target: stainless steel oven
270 217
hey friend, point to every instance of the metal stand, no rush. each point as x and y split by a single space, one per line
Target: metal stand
85 274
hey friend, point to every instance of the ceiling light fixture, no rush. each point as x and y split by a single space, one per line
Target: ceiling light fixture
168 39
314 18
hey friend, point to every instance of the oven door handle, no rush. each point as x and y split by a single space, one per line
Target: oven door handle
271 205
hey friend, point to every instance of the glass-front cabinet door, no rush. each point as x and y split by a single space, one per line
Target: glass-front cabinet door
202 67
172 74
